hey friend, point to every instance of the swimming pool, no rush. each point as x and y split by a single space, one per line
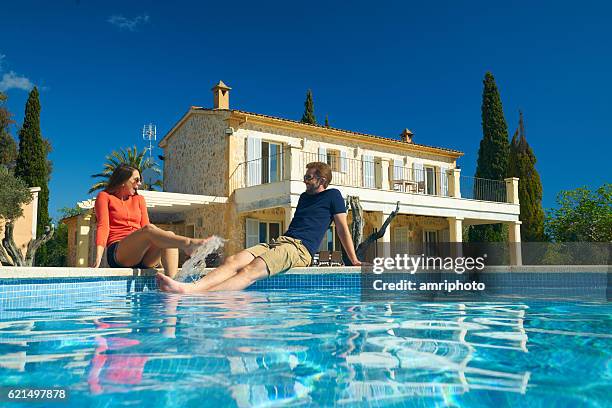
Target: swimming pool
117 341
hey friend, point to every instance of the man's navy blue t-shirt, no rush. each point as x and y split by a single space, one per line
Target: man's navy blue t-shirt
313 215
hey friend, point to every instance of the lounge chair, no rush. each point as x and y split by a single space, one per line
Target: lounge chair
336 259
323 258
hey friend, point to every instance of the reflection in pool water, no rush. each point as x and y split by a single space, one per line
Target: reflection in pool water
310 348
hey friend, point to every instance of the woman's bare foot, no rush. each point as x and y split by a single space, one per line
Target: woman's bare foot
167 284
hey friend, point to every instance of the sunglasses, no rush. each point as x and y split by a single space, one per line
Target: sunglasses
308 177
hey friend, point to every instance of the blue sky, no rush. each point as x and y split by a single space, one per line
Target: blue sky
107 68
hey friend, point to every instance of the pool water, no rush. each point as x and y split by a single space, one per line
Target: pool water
309 348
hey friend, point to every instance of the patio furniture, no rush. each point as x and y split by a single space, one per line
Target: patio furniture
323 258
336 259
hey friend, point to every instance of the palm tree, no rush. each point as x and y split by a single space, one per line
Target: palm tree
132 157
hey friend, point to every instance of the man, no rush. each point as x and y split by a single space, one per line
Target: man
316 208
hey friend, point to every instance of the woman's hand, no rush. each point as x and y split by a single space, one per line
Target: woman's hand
96 263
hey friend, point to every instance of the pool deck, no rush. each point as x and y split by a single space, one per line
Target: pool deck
8 272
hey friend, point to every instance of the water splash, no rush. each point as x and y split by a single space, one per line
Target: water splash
192 266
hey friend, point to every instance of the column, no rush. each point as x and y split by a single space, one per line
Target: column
455 226
514 241
512 195
454 188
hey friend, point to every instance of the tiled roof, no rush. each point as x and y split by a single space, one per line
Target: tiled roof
336 129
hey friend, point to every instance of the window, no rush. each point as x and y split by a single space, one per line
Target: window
430 242
333 159
401 239
271 162
430 180
261 231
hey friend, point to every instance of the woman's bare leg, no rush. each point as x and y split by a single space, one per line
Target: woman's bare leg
170 261
229 269
132 249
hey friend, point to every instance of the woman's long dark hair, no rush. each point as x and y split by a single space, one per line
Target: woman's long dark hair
121 174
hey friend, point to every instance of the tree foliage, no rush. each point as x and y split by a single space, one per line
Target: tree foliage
492 154
582 215
309 115
8 147
13 195
521 164
132 157
32 165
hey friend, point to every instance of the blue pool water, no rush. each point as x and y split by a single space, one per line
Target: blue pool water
304 347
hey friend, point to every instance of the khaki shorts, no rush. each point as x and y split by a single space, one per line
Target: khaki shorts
281 254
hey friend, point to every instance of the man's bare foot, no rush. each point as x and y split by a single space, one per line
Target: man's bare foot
194 244
167 284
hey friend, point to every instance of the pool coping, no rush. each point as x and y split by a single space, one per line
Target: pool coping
9 272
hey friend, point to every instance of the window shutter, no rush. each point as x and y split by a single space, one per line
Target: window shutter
444 181
253 161
323 155
398 169
419 173
252 232
343 162
368 171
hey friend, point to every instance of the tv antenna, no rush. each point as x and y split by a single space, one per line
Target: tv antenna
149 133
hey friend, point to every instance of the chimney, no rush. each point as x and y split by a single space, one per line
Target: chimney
221 96
406 136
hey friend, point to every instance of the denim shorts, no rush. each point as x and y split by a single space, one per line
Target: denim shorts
112 261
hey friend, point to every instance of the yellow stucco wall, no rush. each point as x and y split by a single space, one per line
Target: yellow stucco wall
22 234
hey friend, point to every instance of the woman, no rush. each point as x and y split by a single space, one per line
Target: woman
124 228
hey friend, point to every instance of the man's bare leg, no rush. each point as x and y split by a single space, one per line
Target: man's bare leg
230 267
245 277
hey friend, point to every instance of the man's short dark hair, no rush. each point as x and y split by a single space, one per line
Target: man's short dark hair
323 170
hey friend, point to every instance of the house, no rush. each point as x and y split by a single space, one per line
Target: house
239 174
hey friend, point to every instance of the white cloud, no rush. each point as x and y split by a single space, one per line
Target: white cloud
11 80
125 23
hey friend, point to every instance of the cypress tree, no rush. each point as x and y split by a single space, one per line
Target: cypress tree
492 154
8 147
326 121
521 164
309 116
32 166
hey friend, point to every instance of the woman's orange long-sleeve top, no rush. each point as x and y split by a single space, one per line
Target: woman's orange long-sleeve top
118 218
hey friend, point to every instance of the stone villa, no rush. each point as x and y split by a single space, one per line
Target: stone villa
239 175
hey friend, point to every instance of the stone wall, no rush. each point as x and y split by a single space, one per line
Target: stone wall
416 224
196 156
222 220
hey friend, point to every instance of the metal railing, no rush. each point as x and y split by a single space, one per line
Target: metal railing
361 173
482 189
264 170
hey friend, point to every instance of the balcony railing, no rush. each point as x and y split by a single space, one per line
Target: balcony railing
369 173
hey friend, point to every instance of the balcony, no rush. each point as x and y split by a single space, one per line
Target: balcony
370 173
